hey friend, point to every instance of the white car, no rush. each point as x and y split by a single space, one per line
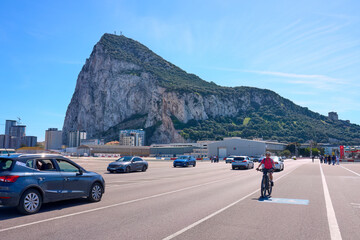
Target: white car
279 163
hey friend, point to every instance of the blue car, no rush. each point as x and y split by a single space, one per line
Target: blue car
29 180
185 161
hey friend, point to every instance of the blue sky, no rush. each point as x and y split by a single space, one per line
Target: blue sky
306 51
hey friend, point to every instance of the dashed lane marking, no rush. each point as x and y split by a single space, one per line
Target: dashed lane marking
218 212
351 171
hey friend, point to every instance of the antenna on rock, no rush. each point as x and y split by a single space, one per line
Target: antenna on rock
19 120
115 32
121 33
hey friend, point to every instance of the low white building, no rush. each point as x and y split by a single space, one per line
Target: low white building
246 147
236 146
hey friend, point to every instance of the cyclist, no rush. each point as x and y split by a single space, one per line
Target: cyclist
269 165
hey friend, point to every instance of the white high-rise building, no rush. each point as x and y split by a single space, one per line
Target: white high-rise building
53 139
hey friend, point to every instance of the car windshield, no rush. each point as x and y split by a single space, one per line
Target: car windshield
183 157
124 159
5 164
239 158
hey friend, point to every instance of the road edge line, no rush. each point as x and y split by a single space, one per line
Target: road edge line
330 212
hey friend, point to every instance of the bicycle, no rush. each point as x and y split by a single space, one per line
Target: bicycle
266 187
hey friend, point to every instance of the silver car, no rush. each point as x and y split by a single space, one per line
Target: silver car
128 164
242 162
229 159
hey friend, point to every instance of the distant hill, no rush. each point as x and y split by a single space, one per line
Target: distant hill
125 85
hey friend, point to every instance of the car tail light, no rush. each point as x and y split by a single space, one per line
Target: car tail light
233 161
276 163
8 179
244 161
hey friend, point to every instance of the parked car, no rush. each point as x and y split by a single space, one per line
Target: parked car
184 161
128 164
279 163
242 162
29 180
257 159
229 159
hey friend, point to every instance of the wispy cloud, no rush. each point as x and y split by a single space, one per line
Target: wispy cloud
317 81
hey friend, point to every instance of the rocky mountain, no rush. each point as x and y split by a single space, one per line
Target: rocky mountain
124 85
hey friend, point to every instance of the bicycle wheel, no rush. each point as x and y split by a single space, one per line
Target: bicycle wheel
269 188
263 187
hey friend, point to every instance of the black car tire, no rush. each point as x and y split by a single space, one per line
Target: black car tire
127 170
186 165
144 168
30 202
194 164
111 171
96 192
233 168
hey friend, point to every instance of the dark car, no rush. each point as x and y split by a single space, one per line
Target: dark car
29 180
184 161
128 164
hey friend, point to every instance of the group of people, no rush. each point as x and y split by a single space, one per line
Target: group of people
329 159
214 159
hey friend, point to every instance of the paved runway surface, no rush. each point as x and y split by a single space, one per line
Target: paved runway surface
209 201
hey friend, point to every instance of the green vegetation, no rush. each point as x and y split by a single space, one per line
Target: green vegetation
246 121
266 125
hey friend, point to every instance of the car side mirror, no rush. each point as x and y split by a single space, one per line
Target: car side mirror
80 172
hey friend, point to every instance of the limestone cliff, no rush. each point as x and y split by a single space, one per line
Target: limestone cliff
125 85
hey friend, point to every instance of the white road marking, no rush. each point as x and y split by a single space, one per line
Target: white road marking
351 171
333 224
219 211
114 205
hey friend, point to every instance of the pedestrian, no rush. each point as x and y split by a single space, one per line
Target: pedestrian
329 159
333 159
321 158
312 158
337 160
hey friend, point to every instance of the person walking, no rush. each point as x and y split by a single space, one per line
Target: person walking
333 159
313 157
321 158
337 160
329 159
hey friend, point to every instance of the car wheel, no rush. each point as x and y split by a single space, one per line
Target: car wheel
144 168
111 171
127 170
233 168
186 165
30 202
194 164
96 192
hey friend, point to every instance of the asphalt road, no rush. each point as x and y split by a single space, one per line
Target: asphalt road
209 201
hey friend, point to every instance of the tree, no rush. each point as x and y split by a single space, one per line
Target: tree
285 153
